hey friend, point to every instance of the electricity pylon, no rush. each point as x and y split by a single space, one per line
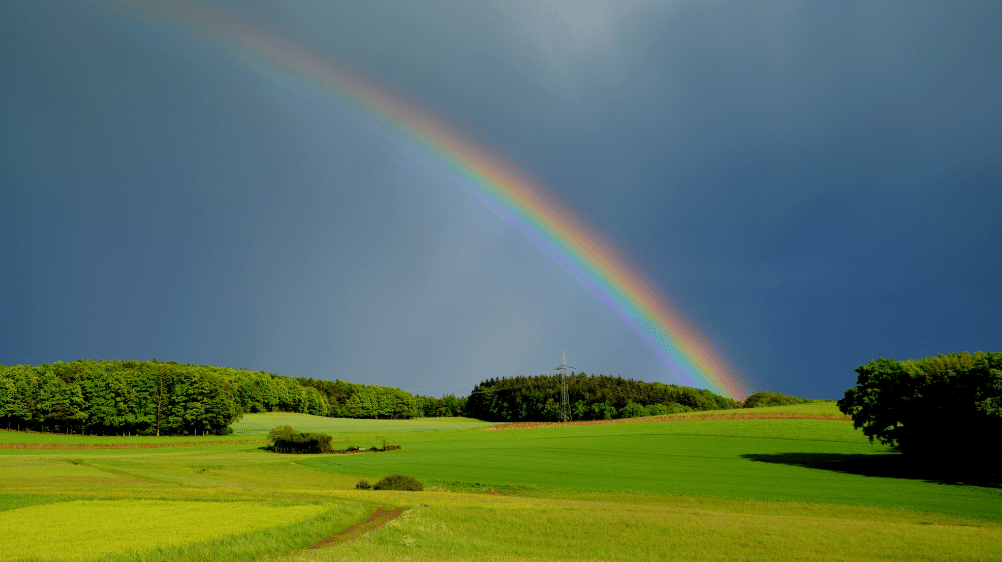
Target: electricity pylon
565 404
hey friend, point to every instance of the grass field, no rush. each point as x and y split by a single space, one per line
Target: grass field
260 424
701 489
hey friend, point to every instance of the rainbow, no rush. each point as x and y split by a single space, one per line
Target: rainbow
688 355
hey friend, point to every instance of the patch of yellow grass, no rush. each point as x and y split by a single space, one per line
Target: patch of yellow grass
89 529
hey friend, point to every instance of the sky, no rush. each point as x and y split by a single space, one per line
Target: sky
811 185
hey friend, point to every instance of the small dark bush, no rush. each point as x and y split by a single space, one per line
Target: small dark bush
399 482
363 485
305 443
225 431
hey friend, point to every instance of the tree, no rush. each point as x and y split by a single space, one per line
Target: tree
354 407
632 410
944 410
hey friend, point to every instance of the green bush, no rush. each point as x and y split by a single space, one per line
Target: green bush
399 482
281 432
285 439
363 485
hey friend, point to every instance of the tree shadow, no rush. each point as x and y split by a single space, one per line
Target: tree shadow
887 465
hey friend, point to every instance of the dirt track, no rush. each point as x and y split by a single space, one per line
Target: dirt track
375 521
123 445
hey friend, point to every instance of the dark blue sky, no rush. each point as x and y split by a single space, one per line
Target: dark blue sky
816 184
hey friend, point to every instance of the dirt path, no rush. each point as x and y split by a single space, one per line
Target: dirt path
124 445
375 521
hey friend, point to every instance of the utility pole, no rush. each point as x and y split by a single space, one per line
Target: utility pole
565 404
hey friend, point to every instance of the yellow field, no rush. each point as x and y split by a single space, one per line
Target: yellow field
90 529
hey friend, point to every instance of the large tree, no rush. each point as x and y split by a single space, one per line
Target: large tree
944 410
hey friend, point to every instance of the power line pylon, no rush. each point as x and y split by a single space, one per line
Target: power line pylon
565 404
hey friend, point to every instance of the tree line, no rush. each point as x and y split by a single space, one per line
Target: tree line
169 398
762 399
590 397
142 397
350 400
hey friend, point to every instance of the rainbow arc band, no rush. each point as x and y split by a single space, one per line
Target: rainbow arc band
688 355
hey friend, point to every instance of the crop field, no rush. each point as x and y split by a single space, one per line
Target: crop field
260 424
97 525
685 489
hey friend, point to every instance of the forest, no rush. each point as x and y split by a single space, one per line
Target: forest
168 398
590 397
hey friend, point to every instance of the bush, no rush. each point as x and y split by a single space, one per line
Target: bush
281 432
944 411
225 431
399 482
287 440
363 485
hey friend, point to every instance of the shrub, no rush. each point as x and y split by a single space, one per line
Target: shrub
399 482
363 485
225 431
281 432
301 443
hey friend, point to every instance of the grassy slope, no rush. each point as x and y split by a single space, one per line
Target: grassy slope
260 424
646 491
727 458
468 527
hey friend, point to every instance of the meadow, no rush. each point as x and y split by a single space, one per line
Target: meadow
681 488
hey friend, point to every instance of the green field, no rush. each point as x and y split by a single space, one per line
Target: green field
260 424
699 489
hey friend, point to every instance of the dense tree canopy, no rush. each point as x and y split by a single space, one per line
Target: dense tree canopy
118 397
350 400
942 408
158 398
169 398
590 396
760 399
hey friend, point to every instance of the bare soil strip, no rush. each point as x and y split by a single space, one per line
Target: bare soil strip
375 521
123 445
749 416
